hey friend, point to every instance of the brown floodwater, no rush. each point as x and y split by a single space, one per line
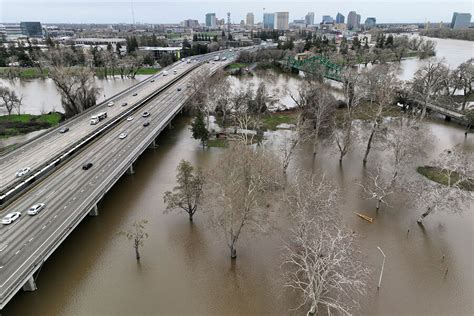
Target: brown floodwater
186 269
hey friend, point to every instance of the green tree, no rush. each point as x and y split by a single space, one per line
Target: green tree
199 129
188 193
137 235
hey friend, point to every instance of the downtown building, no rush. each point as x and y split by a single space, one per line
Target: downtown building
353 21
309 18
282 20
268 21
340 19
250 19
461 20
327 19
211 20
370 23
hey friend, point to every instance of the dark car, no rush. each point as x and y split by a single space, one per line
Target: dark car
135 94
87 166
64 130
146 124
124 104
152 80
179 89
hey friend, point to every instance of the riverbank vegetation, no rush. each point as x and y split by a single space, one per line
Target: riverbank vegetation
13 125
466 34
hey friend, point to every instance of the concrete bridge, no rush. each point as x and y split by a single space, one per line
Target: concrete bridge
71 193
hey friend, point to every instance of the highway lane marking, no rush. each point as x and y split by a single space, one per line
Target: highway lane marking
29 240
3 247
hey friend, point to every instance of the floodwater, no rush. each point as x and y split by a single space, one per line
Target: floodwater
40 95
186 269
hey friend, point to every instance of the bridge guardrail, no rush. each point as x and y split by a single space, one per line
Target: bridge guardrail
65 155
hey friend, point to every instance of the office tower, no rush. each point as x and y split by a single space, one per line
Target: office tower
269 21
370 23
339 18
281 20
309 18
327 19
211 20
461 20
250 19
351 20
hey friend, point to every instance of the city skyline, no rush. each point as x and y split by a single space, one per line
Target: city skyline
167 12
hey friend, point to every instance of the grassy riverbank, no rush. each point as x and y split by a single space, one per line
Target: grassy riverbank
33 73
13 125
439 176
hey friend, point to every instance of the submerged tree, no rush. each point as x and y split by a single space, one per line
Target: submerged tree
137 236
76 87
239 191
198 127
321 259
187 194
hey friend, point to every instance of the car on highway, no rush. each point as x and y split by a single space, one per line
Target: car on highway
10 218
152 80
146 124
22 172
35 209
64 130
129 118
87 166
175 72
179 89
135 94
146 114
122 135
165 73
124 104
111 103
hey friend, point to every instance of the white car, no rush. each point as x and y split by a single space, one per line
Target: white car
10 218
111 103
129 118
122 135
23 171
146 114
35 209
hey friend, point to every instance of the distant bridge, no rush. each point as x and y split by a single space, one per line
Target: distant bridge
313 65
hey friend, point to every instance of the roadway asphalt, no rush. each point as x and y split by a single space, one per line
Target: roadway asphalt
41 150
68 190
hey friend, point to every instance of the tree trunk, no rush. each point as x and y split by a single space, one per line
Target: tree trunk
313 309
233 252
369 143
428 211
377 207
137 254
190 216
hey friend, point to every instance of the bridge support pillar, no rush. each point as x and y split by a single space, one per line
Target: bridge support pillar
130 169
30 285
153 144
170 126
94 211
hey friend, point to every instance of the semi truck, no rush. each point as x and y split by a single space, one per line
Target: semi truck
98 117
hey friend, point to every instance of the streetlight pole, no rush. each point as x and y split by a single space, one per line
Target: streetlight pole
383 265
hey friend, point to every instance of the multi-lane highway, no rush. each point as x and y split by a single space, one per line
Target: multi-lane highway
71 192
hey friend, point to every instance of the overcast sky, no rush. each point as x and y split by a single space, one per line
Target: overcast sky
157 11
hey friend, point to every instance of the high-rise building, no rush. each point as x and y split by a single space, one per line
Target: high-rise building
281 20
351 20
269 21
370 23
309 18
357 27
211 20
190 23
461 20
31 29
339 18
250 19
327 19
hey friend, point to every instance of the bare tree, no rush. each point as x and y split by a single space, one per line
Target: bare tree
378 186
10 100
453 190
137 235
465 78
239 191
291 140
321 259
77 88
318 108
188 193
345 135
427 84
380 86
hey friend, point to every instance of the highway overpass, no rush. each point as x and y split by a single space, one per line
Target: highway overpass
71 193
